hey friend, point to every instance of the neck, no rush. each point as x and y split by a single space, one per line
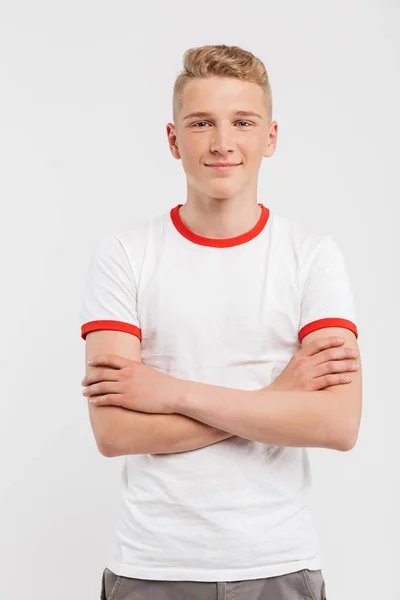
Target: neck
220 218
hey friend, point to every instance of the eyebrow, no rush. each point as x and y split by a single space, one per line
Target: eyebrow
237 113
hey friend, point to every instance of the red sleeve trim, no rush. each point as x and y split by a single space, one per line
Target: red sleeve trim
107 324
321 323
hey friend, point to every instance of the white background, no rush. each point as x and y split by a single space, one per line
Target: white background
86 92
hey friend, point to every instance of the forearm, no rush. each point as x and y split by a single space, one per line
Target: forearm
302 419
131 432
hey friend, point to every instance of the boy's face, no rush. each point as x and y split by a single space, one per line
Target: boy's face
221 136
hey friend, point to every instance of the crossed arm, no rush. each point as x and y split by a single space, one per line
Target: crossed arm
329 418
119 431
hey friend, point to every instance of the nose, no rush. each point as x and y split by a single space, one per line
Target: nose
222 141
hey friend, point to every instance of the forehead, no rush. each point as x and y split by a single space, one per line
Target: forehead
222 94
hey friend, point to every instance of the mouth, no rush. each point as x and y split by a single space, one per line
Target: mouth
223 167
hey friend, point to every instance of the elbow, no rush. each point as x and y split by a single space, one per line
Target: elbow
111 449
347 441
112 438
105 448
108 448
104 431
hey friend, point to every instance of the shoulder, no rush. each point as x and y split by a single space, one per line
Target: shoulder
133 240
139 233
302 239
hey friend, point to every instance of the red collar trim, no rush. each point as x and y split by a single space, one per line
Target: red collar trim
217 242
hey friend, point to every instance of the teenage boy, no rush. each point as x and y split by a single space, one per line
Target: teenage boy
213 332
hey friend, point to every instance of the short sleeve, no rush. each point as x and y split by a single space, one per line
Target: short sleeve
109 298
327 299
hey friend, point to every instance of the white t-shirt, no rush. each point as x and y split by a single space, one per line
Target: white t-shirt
229 312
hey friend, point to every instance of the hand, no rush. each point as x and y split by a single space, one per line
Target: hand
119 381
316 366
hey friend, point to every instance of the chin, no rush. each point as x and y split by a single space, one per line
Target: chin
222 191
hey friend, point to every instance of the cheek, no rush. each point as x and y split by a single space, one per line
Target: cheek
254 146
193 152
255 153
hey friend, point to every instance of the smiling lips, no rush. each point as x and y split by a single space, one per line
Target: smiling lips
222 166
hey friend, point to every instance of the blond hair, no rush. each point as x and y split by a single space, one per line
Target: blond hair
223 61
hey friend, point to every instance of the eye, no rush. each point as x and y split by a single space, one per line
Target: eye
199 123
248 123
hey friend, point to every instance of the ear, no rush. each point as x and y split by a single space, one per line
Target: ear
272 140
172 140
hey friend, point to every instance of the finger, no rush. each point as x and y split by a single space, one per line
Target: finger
333 379
320 344
101 374
110 360
338 354
336 366
103 387
107 400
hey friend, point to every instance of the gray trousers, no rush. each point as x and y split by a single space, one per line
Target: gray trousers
300 585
